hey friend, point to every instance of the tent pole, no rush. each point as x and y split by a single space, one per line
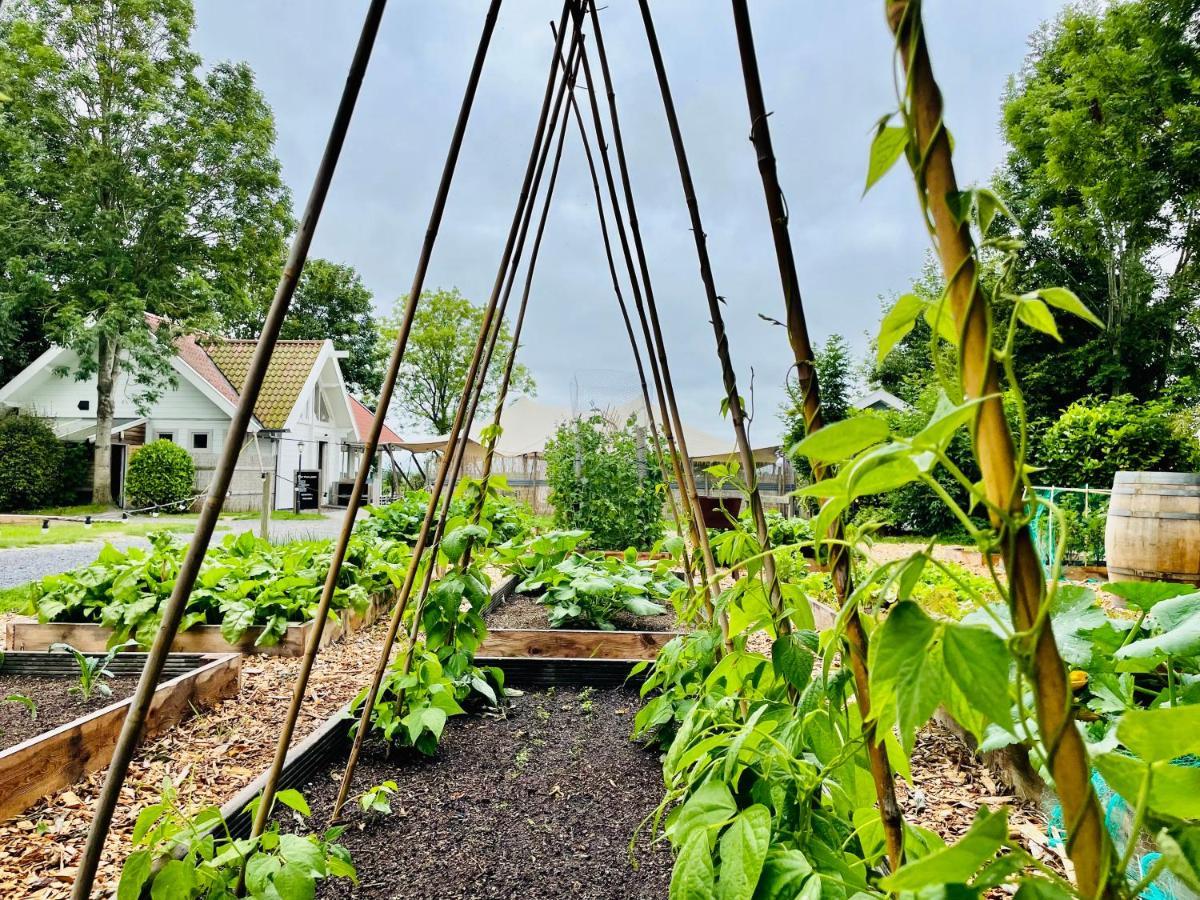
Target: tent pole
736 413
174 608
797 329
459 425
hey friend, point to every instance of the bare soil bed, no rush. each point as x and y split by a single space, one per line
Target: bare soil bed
524 611
56 704
541 803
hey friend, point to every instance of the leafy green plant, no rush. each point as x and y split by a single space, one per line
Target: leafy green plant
506 517
378 798
92 670
31 460
244 583
603 480
591 591
160 474
28 702
200 858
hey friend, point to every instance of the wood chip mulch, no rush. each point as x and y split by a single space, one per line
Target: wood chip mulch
210 758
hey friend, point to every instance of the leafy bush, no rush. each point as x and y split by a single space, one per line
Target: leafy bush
31 464
1093 440
506 517
160 474
604 481
244 583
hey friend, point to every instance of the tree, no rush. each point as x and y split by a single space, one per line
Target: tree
1104 175
332 302
437 358
835 381
133 183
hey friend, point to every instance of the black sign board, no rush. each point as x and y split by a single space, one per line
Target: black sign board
308 489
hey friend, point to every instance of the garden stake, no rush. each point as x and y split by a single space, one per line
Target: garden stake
135 719
633 344
456 427
1088 843
647 309
797 329
372 442
736 413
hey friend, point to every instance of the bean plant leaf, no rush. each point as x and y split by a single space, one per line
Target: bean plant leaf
897 324
841 440
1161 734
692 878
886 148
1036 314
743 851
711 804
175 879
783 874
1065 299
1181 849
454 544
957 863
293 799
905 676
1174 790
793 660
134 875
295 881
302 852
978 662
1147 594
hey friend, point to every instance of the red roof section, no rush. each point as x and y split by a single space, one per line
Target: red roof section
363 417
195 356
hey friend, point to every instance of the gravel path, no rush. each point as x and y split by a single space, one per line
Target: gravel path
21 565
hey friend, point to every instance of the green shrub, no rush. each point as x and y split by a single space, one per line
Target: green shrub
160 473
603 480
1093 440
31 463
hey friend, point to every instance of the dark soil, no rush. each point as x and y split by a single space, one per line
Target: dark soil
524 611
55 704
539 804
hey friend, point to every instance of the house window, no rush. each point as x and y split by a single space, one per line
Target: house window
167 436
200 440
320 406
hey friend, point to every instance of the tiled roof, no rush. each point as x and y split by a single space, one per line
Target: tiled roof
291 364
363 417
195 356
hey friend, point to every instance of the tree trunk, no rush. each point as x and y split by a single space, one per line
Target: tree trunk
106 371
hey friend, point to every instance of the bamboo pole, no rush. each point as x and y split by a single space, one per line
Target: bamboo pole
736 413
457 426
797 329
173 609
1088 843
606 241
647 309
385 396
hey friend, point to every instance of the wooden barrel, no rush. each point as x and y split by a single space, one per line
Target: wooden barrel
1153 527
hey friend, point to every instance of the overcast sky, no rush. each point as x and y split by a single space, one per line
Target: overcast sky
826 71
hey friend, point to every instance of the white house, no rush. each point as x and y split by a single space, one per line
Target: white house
306 428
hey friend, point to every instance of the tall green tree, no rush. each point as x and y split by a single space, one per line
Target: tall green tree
332 302
835 367
438 356
134 183
1103 173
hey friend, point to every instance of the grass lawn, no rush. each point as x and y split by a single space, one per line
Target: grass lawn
14 599
34 535
279 515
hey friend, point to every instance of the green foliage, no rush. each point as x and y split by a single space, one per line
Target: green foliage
834 367
506 517
92 670
591 590
135 183
604 480
1093 440
160 474
1102 126
31 464
200 859
377 799
244 583
330 302
438 357
28 702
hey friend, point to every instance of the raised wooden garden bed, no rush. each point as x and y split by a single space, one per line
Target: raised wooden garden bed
567 643
58 757
23 633
544 776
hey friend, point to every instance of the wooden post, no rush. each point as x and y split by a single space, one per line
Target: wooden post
797 328
1088 843
173 609
264 516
